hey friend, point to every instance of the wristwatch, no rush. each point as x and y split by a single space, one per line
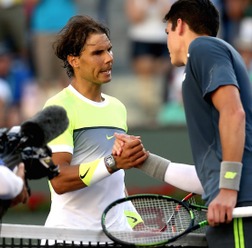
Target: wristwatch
110 163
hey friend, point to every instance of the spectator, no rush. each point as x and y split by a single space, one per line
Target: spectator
172 111
243 43
13 29
102 11
148 53
232 13
5 99
17 75
47 18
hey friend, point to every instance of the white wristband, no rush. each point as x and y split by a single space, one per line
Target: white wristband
230 175
93 172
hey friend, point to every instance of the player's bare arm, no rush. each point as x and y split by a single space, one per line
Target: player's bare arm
231 121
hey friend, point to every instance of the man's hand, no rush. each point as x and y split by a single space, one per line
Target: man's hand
128 151
221 208
23 196
120 140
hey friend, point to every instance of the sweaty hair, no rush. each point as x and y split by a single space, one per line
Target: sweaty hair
201 16
72 38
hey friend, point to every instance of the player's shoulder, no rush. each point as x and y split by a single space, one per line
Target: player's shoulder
206 47
208 43
62 98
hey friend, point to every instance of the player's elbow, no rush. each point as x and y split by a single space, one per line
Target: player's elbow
58 187
239 117
59 191
235 117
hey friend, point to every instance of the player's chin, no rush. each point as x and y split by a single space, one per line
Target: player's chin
106 81
176 63
105 78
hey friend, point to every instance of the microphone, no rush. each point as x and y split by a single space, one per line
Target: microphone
44 126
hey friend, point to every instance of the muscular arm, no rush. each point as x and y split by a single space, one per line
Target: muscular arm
69 180
231 123
232 134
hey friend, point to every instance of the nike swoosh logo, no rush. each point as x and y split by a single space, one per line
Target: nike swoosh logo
83 176
109 137
133 219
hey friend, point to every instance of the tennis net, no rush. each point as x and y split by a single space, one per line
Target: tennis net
29 236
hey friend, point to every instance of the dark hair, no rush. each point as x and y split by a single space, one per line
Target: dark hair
72 38
201 16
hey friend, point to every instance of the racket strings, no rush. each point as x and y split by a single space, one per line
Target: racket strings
199 214
155 215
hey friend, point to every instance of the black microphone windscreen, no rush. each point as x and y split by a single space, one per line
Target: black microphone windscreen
45 126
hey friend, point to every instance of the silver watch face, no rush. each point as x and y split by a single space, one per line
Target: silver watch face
110 161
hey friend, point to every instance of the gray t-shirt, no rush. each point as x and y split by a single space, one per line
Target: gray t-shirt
213 63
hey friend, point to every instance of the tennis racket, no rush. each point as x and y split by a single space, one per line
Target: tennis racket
156 212
196 204
198 207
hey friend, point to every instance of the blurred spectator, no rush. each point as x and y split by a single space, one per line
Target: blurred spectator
172 112
16 75
13 29
243 43
149 55
232 13
5 99
47 18
102 11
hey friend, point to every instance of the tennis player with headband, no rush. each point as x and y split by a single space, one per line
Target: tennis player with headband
217 97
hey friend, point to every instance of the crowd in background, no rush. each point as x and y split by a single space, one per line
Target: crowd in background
30 72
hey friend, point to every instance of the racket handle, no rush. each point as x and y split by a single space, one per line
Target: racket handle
242 212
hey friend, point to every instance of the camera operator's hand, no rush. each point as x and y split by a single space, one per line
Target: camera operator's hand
23 196
13 188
